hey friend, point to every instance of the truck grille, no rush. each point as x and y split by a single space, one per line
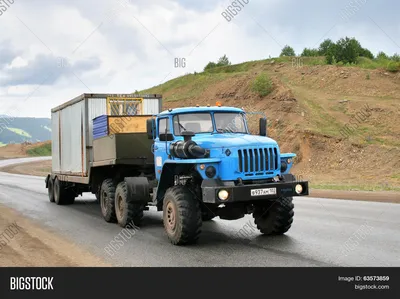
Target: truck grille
258 161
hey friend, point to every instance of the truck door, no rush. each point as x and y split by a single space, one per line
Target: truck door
161 147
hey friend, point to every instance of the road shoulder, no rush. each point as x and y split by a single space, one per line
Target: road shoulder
24 243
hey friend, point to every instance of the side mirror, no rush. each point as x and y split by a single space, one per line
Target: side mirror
150 126
263 126
166 137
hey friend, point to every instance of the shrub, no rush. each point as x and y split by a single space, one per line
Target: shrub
287 51
210 65
393 66
223 61
310 52
382 56
262 85
395 57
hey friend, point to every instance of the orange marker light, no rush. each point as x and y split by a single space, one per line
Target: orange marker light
218 104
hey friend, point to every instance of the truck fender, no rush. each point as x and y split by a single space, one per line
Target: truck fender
138 189
168 172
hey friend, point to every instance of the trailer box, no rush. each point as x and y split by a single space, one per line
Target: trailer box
72 127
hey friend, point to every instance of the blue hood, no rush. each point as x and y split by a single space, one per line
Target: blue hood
232 140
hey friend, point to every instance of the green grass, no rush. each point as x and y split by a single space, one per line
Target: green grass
2 144
43 150
194 85
355 187
19 132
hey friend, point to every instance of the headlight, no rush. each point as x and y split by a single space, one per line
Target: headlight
223 194
210 172
299 189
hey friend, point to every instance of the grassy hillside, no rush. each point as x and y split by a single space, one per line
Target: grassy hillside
309 108
22 129
40 150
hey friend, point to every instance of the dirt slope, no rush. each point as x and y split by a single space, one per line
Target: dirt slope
307 110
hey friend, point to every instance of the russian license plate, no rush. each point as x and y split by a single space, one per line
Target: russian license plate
264 191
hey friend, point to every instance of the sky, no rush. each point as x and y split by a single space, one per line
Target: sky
54 50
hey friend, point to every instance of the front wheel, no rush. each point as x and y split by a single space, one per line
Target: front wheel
181 216
275 219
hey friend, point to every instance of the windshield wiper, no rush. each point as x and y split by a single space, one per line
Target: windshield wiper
179 124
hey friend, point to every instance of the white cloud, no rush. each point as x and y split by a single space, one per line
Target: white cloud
124 45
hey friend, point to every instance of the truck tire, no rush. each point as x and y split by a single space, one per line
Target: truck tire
50 189
277 218
62 195
181 216
107 200
207 215
128 211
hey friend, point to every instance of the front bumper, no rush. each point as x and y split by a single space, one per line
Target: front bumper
243 193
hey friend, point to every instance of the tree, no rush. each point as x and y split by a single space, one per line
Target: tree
381 56
395 57
223 61
287 51
210 65
366 53
347 50
325 46
310 52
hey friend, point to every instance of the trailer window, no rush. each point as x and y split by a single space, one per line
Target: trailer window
127 106
163 124
195 122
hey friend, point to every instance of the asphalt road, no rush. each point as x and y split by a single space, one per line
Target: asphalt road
326 232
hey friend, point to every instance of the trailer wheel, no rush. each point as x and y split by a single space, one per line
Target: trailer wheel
62 195
127 210
107 200
50 189
181 216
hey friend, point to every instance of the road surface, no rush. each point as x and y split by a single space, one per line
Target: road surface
326 232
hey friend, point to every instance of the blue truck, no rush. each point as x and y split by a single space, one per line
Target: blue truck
193 164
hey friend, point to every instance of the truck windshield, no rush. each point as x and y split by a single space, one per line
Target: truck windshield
230 122
195 122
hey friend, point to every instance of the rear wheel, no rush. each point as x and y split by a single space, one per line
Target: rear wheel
181 216
50 189
107 200
62 194
128 211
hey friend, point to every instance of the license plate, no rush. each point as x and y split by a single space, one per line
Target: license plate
264 191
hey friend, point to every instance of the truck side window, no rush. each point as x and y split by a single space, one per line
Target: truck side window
162 125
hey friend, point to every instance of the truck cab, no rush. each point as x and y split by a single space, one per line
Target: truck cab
208 156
